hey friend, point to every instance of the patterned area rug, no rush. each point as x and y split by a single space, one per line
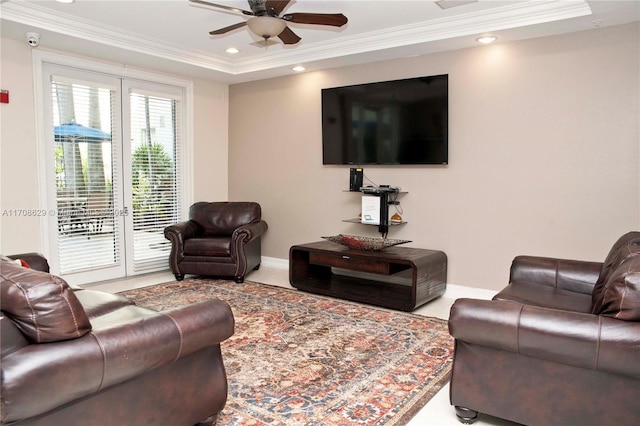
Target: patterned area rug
303 359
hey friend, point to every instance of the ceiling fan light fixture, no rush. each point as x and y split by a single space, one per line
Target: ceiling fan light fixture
266 26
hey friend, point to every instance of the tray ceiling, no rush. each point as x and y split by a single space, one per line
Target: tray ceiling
173 35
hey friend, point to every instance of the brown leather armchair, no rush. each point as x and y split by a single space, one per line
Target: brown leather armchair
73 356
560 345
219 239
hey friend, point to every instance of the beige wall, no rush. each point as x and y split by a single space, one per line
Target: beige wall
544 142
18 149
211 136
18 171
544 153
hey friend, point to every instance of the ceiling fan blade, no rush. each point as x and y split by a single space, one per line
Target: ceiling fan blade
288 37
277 6
227 29
333 19
220 6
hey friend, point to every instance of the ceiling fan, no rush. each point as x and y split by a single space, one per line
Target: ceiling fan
266 21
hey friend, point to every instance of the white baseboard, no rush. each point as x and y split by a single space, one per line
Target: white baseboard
274 262
453 291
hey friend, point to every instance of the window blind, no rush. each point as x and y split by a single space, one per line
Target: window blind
155 174
84 175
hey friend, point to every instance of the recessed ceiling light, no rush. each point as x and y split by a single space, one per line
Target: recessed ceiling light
65 1
486 39
232 50
298 68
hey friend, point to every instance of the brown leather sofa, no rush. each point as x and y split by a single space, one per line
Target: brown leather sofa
72 356
560 345
220 239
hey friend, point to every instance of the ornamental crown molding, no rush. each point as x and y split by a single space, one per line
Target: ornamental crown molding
519 14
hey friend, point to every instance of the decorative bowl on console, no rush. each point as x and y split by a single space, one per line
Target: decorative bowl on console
364 243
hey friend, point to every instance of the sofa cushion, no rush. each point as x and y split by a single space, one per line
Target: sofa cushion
621 250
222 218
97 303
621 292
545 297
208 246
42 306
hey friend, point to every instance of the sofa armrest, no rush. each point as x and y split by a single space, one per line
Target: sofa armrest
135 340
177 234
124 344
202 324
571 338
245 234
573 275
35 260
249 232
182 231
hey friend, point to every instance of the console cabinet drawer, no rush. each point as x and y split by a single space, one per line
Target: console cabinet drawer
354 263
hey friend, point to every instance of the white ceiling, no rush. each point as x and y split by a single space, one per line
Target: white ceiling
173 35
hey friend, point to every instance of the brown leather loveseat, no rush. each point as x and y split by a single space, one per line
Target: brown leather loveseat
560 345
220 239
72 356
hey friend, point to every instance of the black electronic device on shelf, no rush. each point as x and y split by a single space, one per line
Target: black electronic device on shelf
383 192
356 176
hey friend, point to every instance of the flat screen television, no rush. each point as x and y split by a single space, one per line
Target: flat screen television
390 122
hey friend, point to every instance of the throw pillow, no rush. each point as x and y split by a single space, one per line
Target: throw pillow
621 250
42 306
20 262
621 292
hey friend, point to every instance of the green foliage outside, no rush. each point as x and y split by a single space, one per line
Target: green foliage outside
153 190
59 153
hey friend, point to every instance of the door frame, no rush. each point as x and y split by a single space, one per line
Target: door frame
40 59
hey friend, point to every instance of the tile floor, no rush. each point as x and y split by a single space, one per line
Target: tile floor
437 412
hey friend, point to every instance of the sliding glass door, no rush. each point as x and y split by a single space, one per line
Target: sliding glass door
114 173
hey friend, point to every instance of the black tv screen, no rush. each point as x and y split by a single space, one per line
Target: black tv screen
391 122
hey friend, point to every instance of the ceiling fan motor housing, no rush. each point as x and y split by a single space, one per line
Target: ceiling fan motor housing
266 21
259 8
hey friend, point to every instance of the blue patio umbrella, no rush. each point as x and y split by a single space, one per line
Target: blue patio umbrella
73 132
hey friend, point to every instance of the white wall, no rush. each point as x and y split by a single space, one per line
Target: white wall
18 172
544 140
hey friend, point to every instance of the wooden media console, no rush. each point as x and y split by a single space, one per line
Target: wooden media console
400 278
